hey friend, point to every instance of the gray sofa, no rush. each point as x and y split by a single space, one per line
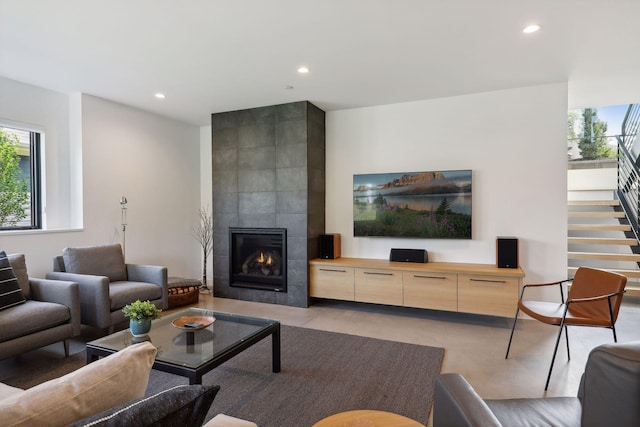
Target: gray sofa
107 283
51 313
608 395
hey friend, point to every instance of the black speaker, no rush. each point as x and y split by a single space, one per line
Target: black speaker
507 252
329 246
409 255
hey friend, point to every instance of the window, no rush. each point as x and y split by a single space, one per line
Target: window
20 179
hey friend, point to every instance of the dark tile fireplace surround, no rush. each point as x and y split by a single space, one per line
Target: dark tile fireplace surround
268 178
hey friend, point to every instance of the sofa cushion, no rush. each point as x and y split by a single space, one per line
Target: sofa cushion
19 265
106 260
31 317
124 292
10 291
183 405
550 411
9 391
109 382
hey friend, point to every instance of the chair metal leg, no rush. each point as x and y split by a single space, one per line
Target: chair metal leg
513 328
555 351
615 337
66 347
566 335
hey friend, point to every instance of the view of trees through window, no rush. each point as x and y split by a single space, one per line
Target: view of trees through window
19 179
591 132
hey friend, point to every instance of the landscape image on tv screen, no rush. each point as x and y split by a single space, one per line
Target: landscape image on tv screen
432 205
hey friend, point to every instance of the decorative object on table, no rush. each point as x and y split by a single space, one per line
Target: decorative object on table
123 204
140 314
193 323
204 235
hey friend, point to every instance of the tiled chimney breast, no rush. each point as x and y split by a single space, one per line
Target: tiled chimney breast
269 171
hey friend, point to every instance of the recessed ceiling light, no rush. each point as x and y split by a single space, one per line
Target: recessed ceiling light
159 95
531 28
303 70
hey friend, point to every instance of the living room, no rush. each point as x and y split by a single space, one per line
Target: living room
512 136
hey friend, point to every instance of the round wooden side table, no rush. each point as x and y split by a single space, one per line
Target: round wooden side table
367 418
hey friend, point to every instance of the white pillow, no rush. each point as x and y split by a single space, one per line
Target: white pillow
96 387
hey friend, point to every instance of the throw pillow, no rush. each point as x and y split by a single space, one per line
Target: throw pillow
183 405
10 291
111 381
104 260
19 265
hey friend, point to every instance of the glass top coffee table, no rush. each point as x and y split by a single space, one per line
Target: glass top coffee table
192 354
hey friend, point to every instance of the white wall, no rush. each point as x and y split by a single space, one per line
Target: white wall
592 184
206 187
152 160
514 141
46 111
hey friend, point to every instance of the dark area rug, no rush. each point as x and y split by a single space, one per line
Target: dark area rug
38 366
322 373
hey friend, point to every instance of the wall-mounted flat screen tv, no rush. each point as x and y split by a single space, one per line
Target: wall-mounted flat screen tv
430 205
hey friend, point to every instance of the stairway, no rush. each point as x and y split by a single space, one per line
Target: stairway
596 238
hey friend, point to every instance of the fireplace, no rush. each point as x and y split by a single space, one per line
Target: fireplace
258 258
268 171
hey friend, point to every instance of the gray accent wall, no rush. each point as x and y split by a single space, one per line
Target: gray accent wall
269 171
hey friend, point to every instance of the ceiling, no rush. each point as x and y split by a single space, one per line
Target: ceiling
210 56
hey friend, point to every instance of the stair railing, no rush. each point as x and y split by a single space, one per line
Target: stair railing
628 172
630 125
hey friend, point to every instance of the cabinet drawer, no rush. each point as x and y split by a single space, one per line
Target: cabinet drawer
438 291
378 286
331 282
493 295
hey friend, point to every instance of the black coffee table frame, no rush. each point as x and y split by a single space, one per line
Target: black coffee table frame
95 350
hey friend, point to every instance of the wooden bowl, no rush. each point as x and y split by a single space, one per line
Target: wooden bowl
193 323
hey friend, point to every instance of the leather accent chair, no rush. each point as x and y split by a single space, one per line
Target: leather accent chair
107 283
594 300
608 395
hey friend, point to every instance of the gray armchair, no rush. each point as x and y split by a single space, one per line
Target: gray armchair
107 283
51 313
608 395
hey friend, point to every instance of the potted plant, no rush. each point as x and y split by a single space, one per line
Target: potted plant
140 314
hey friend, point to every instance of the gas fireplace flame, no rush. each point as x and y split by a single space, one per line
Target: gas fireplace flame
264 260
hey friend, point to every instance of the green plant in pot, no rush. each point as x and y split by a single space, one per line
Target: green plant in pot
140 314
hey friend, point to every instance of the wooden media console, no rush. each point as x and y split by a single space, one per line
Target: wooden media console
467 288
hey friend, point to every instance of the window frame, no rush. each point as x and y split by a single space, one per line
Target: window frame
35 176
